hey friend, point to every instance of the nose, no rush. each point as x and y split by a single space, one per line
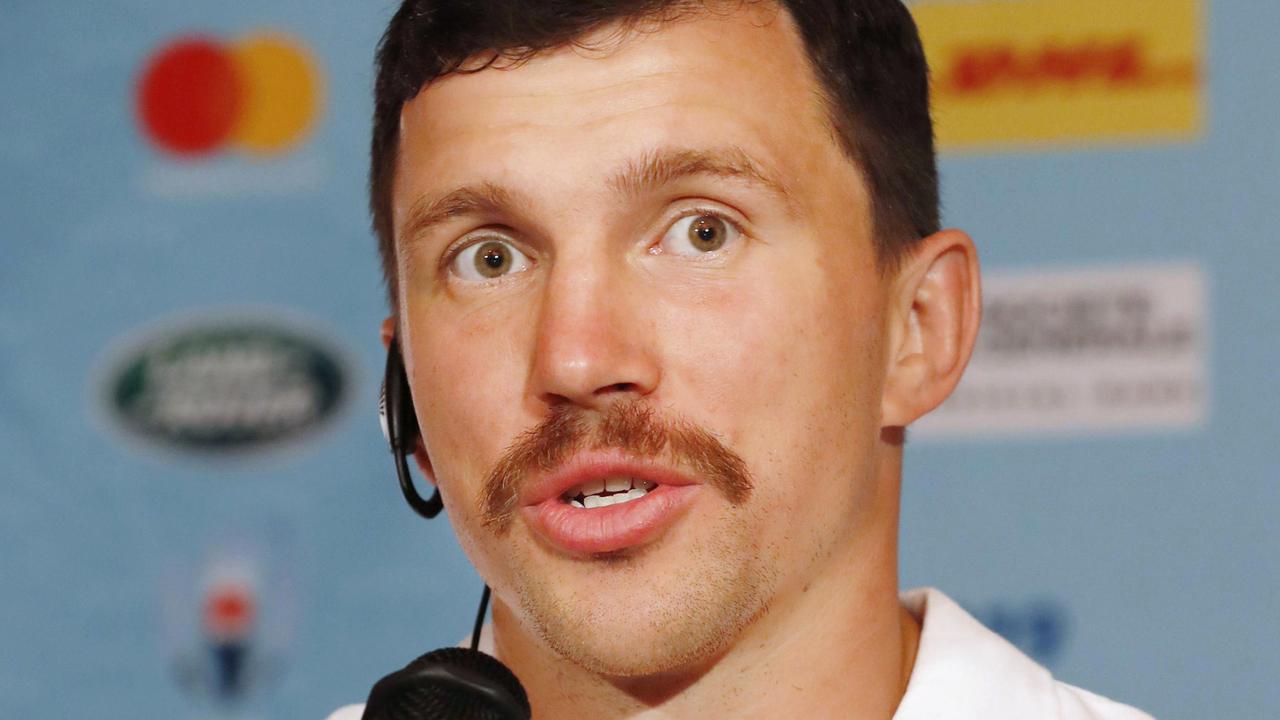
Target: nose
593 344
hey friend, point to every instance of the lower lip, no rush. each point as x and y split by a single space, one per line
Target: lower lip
589 531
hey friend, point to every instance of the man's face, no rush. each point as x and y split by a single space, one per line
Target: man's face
650 263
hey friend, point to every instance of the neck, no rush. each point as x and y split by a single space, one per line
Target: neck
839 646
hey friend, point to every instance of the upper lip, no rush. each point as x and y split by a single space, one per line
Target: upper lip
585 467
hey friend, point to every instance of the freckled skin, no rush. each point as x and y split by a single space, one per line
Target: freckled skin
779 346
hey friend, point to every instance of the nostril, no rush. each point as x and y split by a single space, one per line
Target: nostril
622 387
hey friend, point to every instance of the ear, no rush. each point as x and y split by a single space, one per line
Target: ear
934 316
388 332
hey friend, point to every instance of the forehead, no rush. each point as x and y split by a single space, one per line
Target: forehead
564 117
554 127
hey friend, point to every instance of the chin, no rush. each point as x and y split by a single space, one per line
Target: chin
629 645
633 617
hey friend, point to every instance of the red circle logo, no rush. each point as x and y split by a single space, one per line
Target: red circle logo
196 94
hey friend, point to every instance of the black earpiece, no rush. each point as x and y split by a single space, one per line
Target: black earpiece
400 427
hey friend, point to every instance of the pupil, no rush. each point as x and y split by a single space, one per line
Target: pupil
707 233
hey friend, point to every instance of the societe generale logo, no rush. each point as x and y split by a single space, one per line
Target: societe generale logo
259 94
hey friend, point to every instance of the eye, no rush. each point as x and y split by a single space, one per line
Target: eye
700 234
488 259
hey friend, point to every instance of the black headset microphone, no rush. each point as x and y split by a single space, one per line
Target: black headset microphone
451 683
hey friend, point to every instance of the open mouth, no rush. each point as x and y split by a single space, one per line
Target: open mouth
607 491
601 502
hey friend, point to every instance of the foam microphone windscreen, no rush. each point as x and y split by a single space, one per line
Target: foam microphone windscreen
449 684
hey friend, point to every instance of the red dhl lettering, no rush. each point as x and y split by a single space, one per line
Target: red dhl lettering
978 70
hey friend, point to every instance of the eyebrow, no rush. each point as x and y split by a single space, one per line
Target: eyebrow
651 172
478 199
667 165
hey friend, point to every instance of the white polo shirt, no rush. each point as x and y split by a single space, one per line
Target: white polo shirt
964 671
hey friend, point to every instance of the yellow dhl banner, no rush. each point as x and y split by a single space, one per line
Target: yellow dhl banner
1023 72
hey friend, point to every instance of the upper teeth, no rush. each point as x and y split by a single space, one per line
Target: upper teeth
592 494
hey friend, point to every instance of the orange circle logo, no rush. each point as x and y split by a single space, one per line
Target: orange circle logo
260 94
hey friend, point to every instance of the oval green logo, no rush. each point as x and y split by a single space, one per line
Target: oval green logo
227 386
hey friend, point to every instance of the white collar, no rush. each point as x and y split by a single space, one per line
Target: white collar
965 671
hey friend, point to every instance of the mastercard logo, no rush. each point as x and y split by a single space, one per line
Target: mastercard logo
260 94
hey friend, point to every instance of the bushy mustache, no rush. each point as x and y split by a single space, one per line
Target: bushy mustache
632 427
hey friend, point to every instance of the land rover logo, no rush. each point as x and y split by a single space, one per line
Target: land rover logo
226 386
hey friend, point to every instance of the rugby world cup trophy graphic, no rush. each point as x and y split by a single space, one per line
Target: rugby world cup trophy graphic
228 627
229 613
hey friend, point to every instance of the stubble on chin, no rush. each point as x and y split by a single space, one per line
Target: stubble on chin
630 619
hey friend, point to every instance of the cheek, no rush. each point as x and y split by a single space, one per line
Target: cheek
788 369
466 378
805 344
462 378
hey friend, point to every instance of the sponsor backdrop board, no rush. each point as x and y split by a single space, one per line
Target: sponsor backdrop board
198 516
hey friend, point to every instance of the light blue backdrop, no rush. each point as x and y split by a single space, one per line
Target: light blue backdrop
1142 566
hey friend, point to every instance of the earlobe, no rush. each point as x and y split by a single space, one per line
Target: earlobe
423 462
388 331
937 307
